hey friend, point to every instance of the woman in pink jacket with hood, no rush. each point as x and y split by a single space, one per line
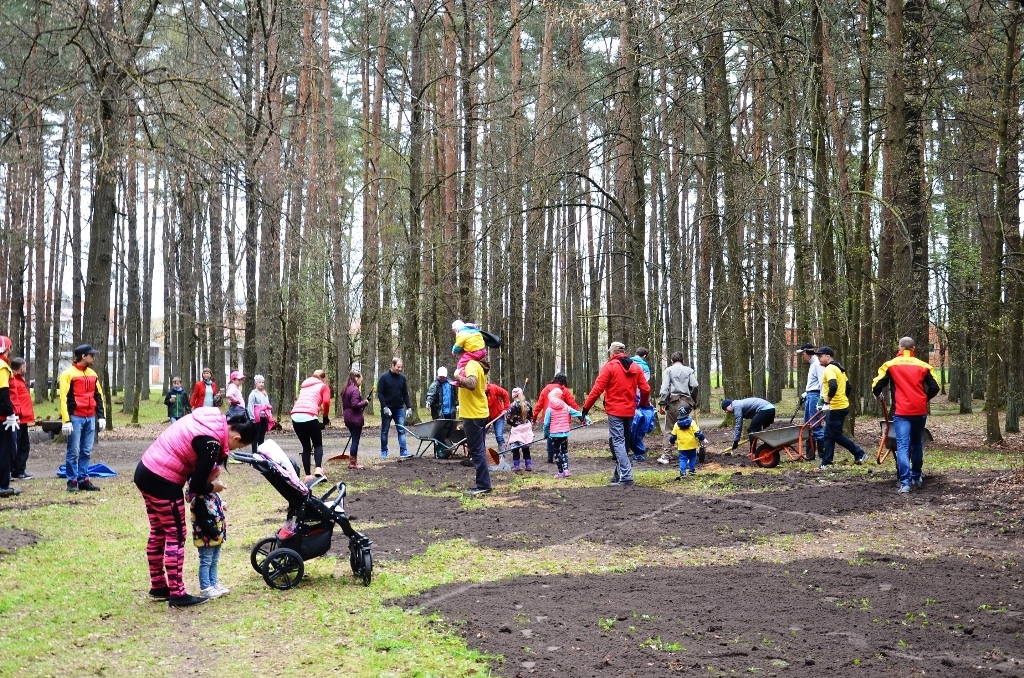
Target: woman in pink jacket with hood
314 398
187 452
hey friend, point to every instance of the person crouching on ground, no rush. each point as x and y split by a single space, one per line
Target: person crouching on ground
209 532
687 436
353 403
760 412
21 397
520 426
557 422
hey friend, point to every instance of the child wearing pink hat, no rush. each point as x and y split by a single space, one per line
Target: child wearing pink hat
234 390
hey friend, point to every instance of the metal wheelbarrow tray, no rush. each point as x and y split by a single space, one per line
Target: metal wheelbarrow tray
445 435
766 447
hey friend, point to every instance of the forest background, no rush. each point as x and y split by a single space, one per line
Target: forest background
309 183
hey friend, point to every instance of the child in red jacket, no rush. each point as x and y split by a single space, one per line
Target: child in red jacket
21 398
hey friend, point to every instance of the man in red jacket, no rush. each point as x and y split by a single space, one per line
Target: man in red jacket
913 385
619 380
497 405
21 398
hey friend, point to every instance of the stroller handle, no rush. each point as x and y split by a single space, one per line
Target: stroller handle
243 457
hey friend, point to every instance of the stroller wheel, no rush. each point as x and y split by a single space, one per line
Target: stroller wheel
283 569
260 552
361 560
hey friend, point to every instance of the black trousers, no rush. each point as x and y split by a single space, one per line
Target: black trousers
21 456
312 440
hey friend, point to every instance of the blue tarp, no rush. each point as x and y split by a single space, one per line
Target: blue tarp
95 471
643 422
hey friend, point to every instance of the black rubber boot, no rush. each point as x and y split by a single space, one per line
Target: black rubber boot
819 447
809 450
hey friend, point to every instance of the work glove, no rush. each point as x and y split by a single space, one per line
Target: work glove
386 411
67 428
408 413
735 444
586 410
823 406
11 423
325 423
803 398
102 423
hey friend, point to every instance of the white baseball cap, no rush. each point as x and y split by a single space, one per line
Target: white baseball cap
442 371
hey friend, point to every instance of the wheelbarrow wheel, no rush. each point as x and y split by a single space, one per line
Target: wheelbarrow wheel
260 552
766 456
283 569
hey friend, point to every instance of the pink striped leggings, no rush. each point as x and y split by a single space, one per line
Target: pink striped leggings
165 549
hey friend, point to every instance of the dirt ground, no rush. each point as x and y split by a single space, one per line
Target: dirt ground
13 539
887 585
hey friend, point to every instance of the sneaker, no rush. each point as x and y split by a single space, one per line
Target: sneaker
88 486
639 457
224 590
404 455
621 483
559 475
663 459
466 462
185 601
21 476
824 467
73 486
355 465
529 464
478 491
567 474
917 482
211 592
9 492
383 454
904 489
318 472
681 476
859 459
161 594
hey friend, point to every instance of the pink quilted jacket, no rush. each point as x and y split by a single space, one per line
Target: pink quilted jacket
171 455
313 395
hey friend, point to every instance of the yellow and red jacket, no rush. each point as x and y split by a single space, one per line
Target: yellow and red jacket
80 394
6 405
913 384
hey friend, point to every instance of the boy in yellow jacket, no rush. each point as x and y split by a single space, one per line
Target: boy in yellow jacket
687 436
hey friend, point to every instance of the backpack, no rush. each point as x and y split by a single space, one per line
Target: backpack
491 340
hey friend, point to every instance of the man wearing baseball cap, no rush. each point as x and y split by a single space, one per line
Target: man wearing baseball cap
81 410
810 398
836 404
9 430
442 396
620 379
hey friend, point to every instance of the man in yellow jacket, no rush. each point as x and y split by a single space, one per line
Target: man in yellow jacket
836 405
81 410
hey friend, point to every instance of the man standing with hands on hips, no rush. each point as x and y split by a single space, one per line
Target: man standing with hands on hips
81 410
393 394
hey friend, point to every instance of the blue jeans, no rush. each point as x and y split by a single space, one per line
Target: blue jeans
687 461
385 427
811 409
209 556
835 419
499 432
909 446
618 431
79 454
173 419
476 445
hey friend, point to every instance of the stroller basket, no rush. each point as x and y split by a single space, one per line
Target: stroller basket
311 522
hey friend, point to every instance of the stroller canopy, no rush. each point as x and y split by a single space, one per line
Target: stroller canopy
281 465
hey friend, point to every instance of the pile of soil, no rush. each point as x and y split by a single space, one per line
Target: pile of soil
12 539
880 617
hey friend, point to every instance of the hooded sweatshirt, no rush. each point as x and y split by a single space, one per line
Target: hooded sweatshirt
558 418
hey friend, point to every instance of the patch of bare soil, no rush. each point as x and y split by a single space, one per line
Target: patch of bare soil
12 539
813 617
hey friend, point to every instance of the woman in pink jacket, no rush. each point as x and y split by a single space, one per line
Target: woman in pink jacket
314 398
187 452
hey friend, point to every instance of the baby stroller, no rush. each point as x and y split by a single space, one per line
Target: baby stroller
311 520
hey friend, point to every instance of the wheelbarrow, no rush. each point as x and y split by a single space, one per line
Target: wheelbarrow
766 447
445 435
887 443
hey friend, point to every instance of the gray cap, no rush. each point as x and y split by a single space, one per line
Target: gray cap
616 347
